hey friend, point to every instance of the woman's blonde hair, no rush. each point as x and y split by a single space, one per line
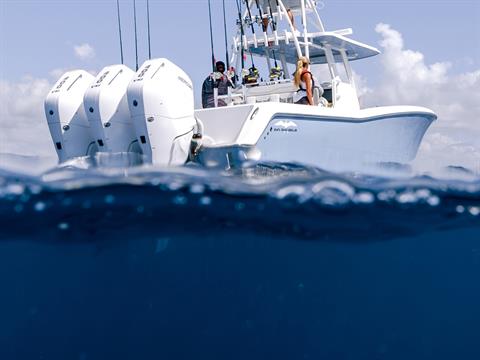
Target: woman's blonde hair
301 62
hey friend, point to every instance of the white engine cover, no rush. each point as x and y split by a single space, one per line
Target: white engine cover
106 106
66 117
160 98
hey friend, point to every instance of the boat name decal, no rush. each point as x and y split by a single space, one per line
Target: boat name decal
285 124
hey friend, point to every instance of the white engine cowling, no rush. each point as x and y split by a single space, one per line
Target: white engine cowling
106 106
66 116
160 98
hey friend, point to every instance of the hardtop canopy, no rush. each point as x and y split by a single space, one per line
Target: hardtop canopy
354 50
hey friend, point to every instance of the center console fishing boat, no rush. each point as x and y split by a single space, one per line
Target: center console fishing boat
153 112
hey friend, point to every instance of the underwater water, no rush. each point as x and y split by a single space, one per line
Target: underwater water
267 261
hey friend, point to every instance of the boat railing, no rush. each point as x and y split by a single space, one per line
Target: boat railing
277 90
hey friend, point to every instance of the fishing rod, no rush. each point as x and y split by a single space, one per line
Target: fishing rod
120 32
253 29
148 28
211 35
225 31
274 28
136 42
250 16
242 32
265 28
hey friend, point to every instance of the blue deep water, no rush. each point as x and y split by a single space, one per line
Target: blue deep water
267 261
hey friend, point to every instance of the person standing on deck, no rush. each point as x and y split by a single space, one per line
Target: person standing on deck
218 80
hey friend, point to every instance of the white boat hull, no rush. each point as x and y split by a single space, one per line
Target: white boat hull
321 137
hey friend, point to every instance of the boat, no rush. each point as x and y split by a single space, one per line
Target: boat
260 121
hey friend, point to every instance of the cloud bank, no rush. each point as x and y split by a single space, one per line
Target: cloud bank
408 80
84 51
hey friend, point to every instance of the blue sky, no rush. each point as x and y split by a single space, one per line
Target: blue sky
430 56
38 36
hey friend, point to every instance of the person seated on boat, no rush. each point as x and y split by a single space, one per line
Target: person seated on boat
309 91
219 80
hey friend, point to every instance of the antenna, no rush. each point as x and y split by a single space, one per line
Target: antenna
120 32
242 32
148 27
211 35
225 30
136 42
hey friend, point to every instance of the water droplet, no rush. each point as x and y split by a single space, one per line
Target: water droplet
40 206
140 209
460 209
18 208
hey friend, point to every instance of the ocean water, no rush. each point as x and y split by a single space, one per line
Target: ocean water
266 261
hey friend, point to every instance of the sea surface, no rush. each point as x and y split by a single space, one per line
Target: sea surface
264 261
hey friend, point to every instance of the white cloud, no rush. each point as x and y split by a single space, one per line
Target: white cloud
84 51
407 79
22 119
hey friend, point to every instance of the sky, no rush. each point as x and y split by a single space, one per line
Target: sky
430 57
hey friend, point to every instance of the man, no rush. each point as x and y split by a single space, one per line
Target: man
218 80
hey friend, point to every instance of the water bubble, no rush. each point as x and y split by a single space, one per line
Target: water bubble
407 197
386 195
364 198
332 192
175 185
109 199
179 200
162 244
433 200
87 204
474 210
423 194
239 206
205 200
63 226
18 208
15 189
67 202
40 206
197 188
35 189
140 209
290 191
460 209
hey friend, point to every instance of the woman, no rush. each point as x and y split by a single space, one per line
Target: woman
305 83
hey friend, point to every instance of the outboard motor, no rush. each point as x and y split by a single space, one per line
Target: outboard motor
106 106
160 98
66 117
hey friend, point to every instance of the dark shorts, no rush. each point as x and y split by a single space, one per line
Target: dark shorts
303 101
